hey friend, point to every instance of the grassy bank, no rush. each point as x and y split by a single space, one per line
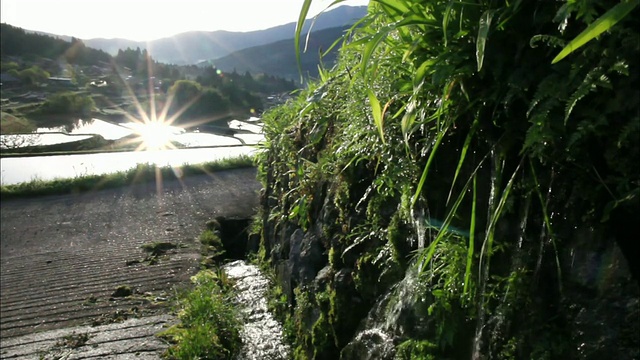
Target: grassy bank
210 322
141 174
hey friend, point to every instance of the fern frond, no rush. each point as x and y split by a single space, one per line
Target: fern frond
549 40
588 84
621 67
547 88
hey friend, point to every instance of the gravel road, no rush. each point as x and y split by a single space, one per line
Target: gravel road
63 257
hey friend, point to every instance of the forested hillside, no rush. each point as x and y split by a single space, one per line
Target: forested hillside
15 41
279 59
461 187
49 82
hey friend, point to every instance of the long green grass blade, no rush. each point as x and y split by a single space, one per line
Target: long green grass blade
425 172
445 21
306 43
399 6
376 110
296 40
463 155
483 33
602 24
408 120
472 232
547 224
495 216
371 46
426 256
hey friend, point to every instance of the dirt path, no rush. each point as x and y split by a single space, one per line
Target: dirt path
64 257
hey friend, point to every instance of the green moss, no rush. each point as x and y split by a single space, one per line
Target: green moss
323 339
399 236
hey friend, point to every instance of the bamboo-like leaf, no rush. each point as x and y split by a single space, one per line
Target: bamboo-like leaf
421 73
463 155
408 120
398 5
371 46
306 43
483 33
472 232
547 224
602 24
427 255
425 172
495 216
377 113
445 21
296 40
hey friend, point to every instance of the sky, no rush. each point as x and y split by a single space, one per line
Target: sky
143 20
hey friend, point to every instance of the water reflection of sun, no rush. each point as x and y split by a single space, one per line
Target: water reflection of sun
152 121
155 135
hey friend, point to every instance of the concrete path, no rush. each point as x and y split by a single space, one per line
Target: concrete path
63 259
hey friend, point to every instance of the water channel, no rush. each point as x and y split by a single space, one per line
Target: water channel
202 147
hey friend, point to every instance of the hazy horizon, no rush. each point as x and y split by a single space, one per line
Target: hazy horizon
144 20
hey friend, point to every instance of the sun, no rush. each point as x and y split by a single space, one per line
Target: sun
155 135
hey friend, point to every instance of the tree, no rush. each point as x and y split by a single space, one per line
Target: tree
68 103
33 75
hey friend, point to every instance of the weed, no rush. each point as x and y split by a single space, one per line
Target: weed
210 323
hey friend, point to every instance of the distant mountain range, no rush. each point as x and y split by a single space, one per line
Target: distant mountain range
270 51
279 58
193 47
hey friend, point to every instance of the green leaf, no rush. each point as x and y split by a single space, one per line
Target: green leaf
370 47
296 40
463 155
377 113
602 24
472 231
483 33
425 171
408 120
445 21
398 5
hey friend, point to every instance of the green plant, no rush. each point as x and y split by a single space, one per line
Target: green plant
68 103
452 116
210 323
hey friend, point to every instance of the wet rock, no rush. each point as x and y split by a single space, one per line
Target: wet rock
305 256
323 278
371 344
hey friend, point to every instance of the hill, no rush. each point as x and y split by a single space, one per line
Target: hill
196 46
279 58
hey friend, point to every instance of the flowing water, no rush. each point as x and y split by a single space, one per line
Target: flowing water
262 333
392 317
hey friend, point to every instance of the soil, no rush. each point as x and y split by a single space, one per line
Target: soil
77 261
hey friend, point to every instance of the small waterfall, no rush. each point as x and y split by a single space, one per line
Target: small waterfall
262 333
496 175
419 223
390 318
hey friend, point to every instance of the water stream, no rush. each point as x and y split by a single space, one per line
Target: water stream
262 333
